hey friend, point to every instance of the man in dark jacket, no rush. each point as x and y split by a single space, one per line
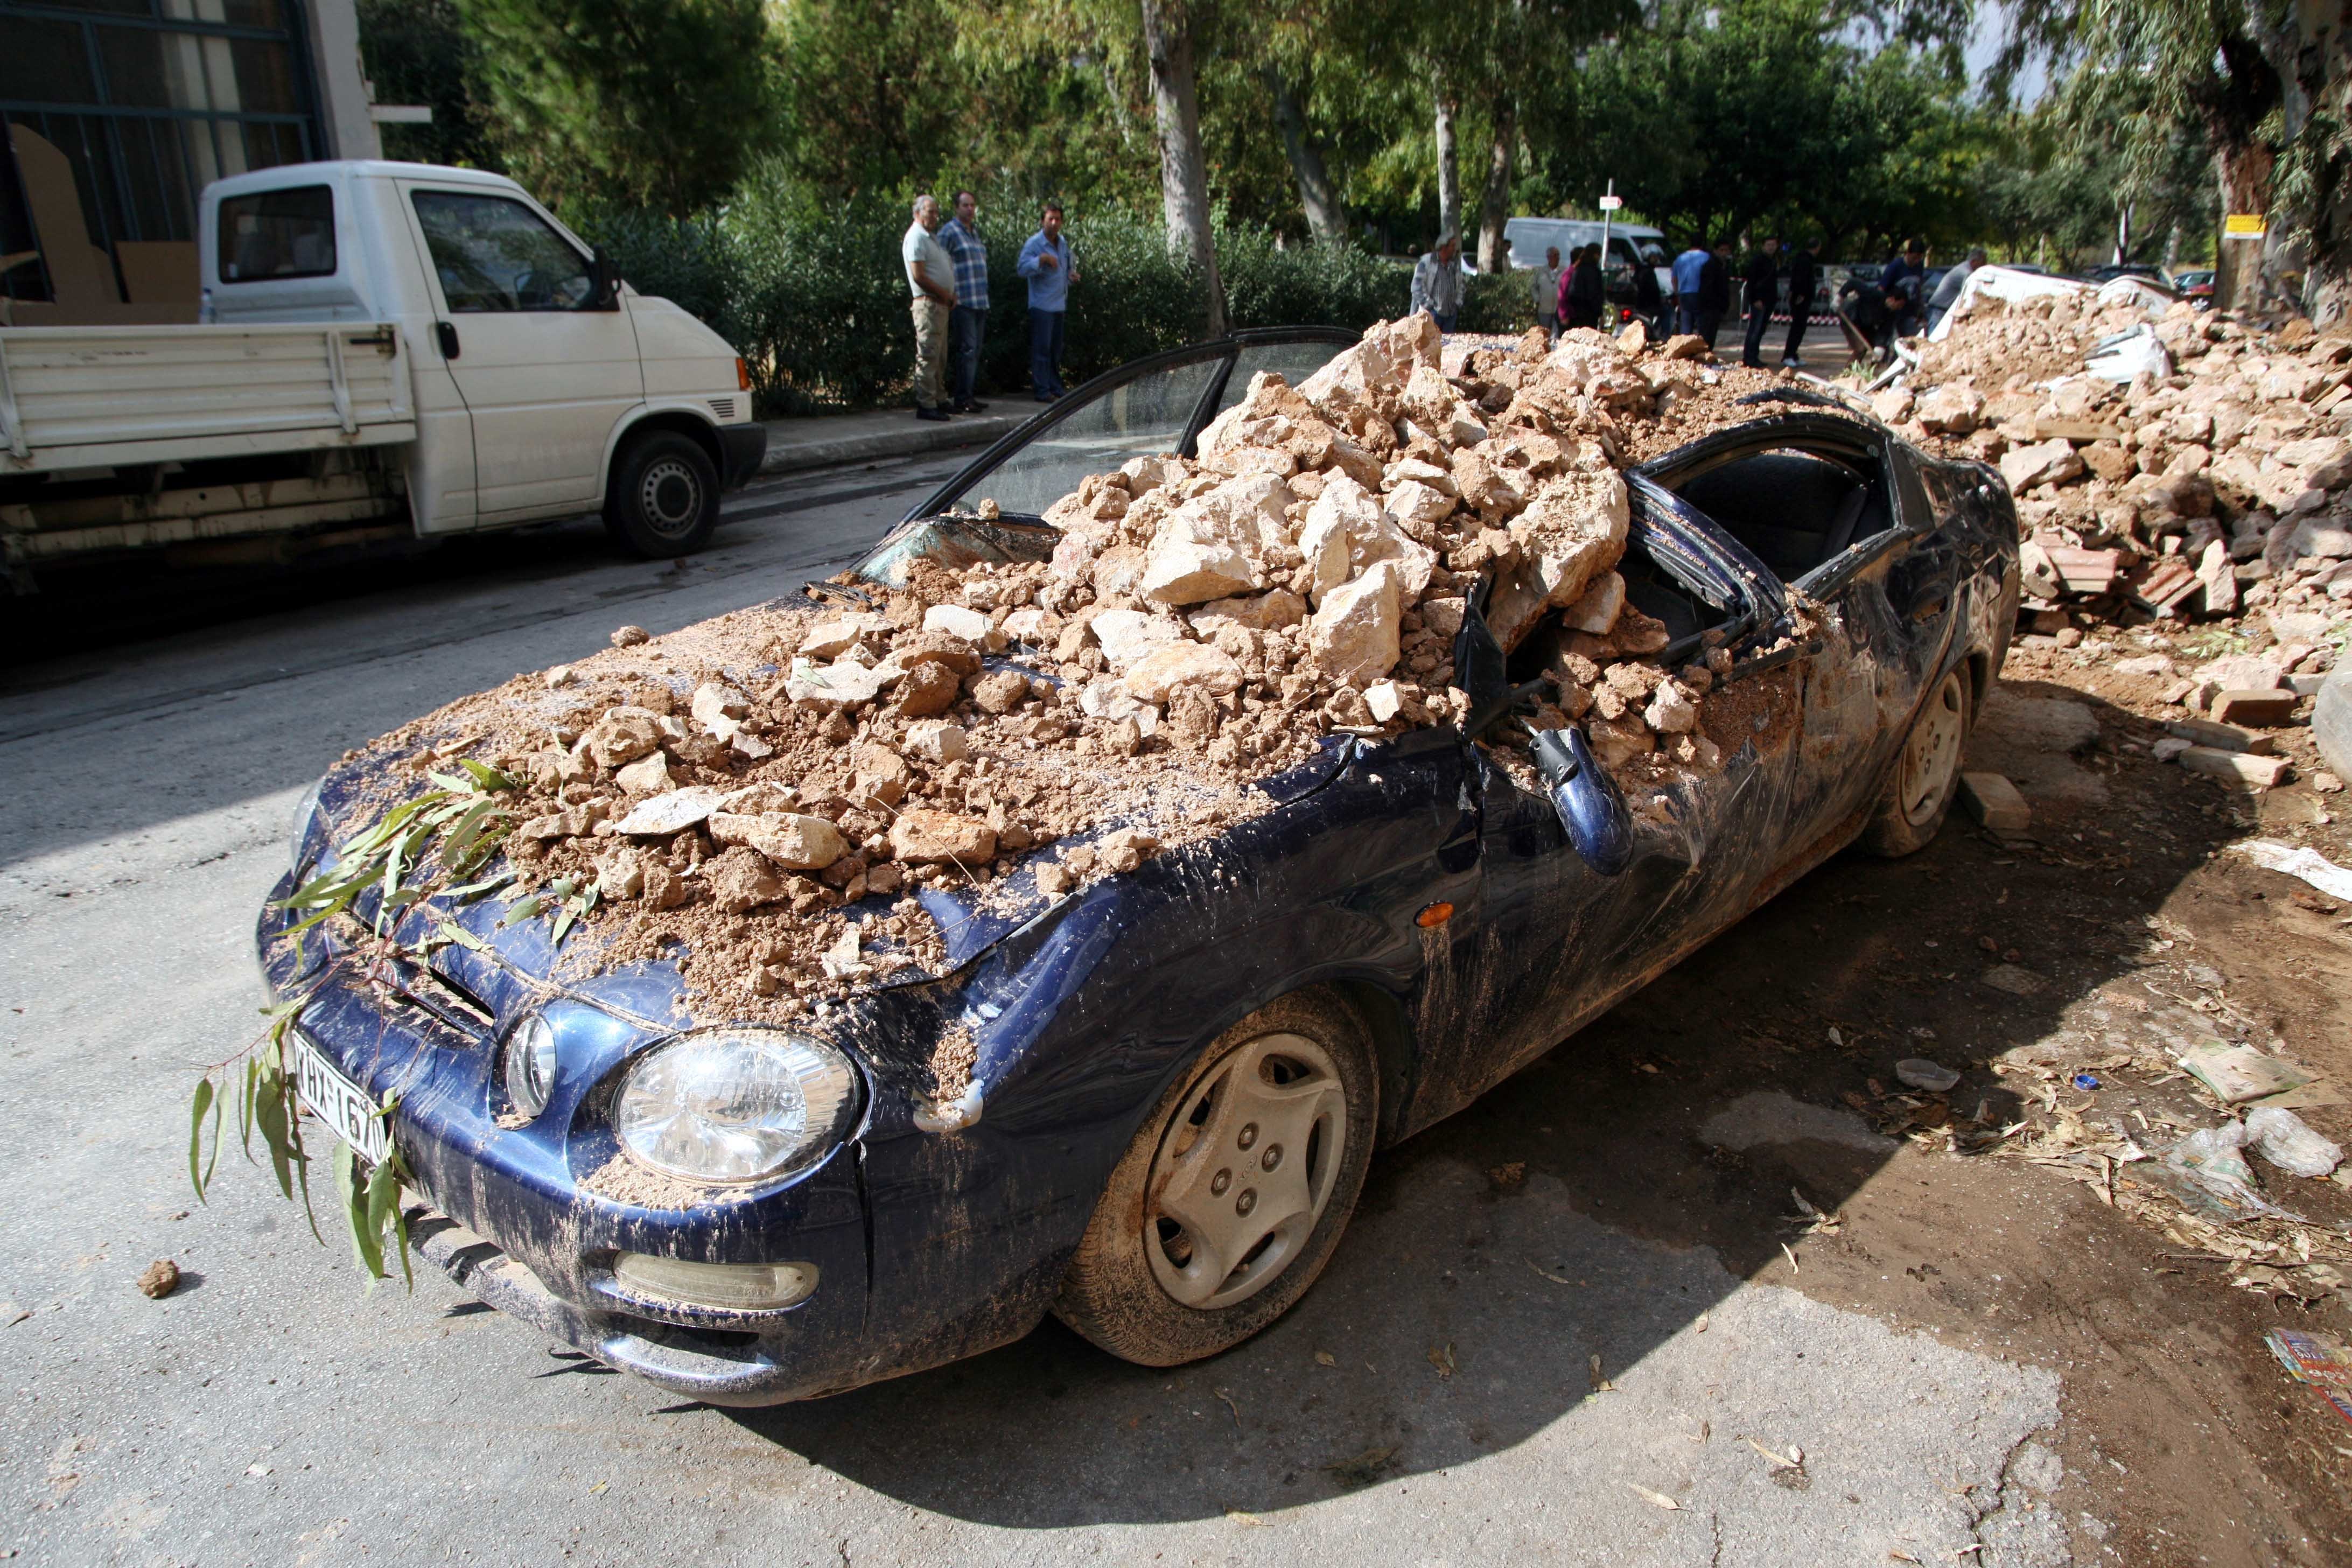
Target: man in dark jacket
1714 292
1801 283
1649 299
1586 299
1763 280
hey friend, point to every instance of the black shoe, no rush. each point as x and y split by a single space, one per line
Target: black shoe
938 414
1045 397
970 406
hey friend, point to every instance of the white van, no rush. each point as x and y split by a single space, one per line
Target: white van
1631 244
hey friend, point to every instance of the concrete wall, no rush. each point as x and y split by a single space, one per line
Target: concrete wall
334 30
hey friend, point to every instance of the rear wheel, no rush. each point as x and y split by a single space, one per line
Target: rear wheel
664 500
1918 793
1235 1191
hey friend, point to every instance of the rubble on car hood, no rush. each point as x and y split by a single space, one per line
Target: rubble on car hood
797 800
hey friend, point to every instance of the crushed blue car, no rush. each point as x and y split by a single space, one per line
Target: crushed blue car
1178 1073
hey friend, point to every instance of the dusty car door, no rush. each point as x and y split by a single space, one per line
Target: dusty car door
1835 509
1551 941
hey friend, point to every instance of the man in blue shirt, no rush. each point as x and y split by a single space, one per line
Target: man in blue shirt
959 237
1686 284
1051 268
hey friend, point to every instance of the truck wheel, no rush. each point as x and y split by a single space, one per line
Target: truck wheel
1235 1191
665 496
1918 793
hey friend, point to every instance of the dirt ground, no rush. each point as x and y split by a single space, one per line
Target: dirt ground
2128 919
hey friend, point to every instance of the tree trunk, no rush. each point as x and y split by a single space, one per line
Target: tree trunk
2244 172
1326 217
1183 167
1494 253
1449 166
2322 80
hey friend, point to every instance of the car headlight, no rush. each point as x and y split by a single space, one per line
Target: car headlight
306 812
530 1064
734 1105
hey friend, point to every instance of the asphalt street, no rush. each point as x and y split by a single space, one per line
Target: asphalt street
1438 1398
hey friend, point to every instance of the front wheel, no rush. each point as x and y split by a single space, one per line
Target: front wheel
1918 793
664 500
1235 1191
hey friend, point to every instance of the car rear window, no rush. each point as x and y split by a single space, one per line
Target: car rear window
278 234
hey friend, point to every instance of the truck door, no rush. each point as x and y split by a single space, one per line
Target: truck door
544 374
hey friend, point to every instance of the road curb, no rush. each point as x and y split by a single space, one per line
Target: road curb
792 446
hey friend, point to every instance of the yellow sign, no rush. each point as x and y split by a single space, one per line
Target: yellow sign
2243 225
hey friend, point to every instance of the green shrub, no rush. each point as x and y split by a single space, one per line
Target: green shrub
814 297
1497 303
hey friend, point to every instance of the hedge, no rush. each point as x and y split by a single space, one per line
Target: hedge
816 297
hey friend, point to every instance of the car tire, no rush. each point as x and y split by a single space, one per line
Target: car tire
1926 778
1274 1088
664 499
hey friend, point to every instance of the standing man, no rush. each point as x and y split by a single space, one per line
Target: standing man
1763 280
1584 297
1714 292
1051 268
1646 301
1688 266
1947 292
931 276
969 319
1545 282
1437 281
1801 283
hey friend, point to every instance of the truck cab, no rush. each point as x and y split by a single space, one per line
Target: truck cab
543 385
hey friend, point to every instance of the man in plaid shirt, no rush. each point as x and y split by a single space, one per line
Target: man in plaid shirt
966 323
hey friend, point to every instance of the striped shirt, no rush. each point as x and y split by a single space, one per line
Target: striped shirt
970 259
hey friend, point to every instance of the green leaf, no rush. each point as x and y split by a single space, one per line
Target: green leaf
203 1102
356 1200
487 777
475 889
383 1208
245 1105
275 1115
522 909
452 931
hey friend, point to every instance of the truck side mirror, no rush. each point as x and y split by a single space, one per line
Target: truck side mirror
1590 805
604 290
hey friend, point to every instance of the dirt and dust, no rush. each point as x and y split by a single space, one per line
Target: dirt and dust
2003 1214
762 796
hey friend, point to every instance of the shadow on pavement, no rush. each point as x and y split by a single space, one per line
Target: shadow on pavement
1574 1211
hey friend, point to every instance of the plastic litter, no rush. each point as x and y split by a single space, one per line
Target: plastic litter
2296 861
1921 1073
2208 1161
2281 1137
2086 1080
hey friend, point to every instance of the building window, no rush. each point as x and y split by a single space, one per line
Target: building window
148 102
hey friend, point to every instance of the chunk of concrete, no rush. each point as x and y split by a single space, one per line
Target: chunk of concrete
1994 801
2235 767
2249 707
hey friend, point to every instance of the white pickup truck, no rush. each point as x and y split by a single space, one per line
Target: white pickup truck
383 350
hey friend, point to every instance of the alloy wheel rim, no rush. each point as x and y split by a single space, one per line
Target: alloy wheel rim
670 495
1932 754
1244 1170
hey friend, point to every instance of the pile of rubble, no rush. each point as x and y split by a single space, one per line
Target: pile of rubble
2168 465
763 796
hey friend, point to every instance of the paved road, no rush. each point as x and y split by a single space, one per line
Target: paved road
1435 1394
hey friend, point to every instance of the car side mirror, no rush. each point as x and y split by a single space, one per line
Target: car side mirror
1590 805
604 282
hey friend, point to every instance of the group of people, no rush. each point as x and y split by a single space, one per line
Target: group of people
947 273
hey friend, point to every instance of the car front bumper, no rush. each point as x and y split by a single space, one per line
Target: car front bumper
518 1216
744 446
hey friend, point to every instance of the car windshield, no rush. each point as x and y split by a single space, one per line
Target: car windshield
1140 417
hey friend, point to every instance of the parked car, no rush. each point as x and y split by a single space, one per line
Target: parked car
1403 927
2196 286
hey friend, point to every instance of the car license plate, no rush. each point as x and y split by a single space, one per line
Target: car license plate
349 1111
